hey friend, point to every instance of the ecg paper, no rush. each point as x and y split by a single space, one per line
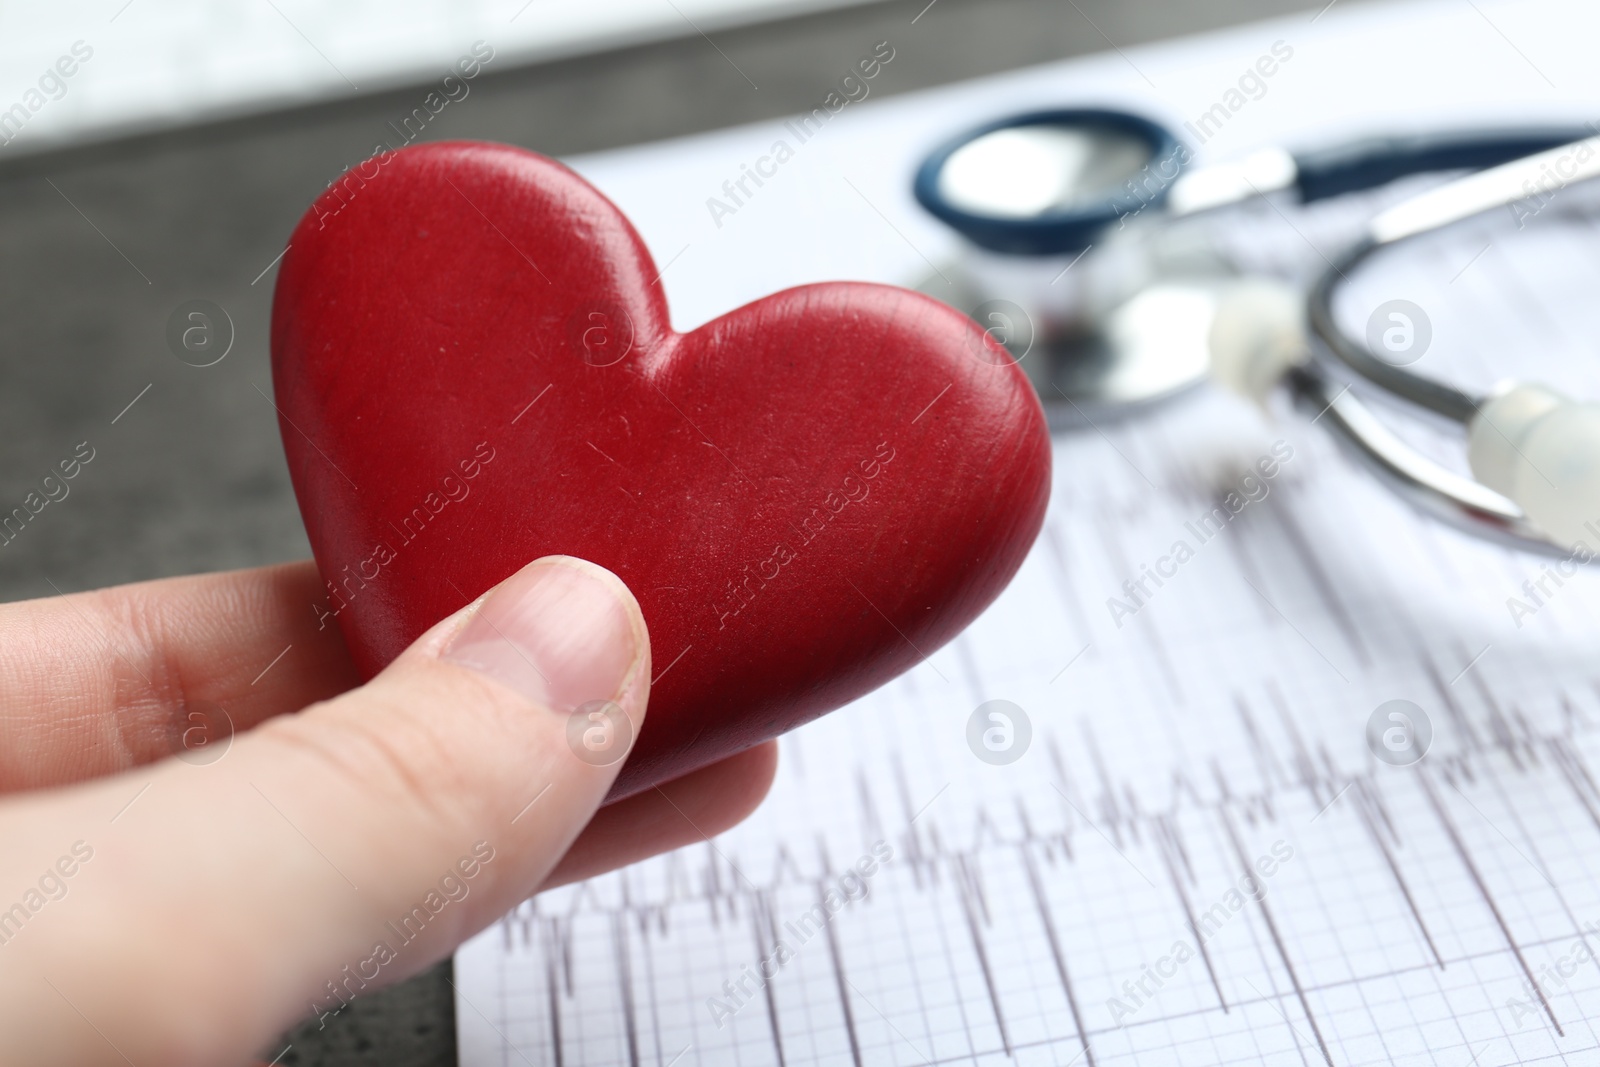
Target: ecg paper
1197 859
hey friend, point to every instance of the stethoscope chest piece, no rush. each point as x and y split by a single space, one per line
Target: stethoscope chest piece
1032 196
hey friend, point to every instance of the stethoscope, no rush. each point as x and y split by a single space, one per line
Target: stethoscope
1067 216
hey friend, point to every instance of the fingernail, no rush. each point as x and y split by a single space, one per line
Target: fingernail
558 631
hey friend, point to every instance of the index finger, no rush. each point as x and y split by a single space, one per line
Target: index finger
94 683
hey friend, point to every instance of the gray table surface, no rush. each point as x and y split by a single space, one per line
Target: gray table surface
101 243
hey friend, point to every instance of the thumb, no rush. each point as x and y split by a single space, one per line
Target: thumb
334 851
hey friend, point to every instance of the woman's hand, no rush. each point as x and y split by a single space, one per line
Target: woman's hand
171 893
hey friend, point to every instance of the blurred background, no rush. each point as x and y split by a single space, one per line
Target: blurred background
173 161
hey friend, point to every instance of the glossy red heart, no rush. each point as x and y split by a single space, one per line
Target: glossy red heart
474 368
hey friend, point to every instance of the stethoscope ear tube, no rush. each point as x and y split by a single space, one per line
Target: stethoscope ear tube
1368 163
1430 394
1435 209
1435 490
1540 515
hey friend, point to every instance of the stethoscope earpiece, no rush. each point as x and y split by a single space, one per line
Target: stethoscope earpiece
1258 333
1541 450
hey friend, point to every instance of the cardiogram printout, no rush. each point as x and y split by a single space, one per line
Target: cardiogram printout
1195 831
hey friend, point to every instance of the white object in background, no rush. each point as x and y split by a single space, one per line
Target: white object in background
164 63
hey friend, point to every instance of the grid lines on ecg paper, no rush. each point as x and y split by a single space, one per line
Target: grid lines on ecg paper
1335 1003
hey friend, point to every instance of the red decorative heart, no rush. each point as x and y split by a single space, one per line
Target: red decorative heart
474 368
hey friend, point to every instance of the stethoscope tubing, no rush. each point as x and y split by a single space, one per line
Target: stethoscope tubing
1431 488
1460 500
1313 175
1430 394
